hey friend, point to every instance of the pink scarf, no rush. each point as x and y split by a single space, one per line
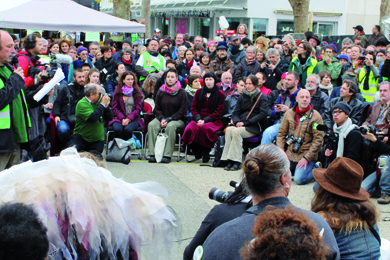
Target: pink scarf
171 90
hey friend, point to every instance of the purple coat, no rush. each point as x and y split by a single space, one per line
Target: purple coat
119 110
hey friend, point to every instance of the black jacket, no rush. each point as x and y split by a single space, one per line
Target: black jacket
244 106
318 101
106 68
352 146
385 71
356 112
8 93
183 70
273 77
241 71
60 106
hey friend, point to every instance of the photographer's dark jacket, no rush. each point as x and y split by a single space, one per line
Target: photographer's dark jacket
26 61
313 139
357 109
244 106
60 106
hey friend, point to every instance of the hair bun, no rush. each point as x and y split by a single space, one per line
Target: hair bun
253 166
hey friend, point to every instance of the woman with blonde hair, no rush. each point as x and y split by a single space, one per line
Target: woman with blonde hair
261 43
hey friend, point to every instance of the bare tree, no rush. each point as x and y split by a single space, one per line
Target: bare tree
122 9
384 10
300 11
146 16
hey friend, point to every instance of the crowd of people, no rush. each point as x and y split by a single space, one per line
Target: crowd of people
315 101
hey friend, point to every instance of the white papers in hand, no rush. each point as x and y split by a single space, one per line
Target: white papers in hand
51 84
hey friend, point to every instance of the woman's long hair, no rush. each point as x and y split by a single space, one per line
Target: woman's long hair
118 90
339 211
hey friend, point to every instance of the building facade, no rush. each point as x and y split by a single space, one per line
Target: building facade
200 17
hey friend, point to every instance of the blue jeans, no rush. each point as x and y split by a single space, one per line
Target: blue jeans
63 132
302 176
124 132
270 134
370 183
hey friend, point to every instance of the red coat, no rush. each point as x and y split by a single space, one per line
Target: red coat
206 135
26 63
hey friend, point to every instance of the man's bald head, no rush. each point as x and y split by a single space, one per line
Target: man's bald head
7 49
303 99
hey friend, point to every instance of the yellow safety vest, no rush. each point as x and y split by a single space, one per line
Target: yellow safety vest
5 113
309 69
369 94
150 65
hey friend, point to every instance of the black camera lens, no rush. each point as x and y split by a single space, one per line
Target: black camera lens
218 195
363 130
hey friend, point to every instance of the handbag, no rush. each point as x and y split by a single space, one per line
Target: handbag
119 150
159 147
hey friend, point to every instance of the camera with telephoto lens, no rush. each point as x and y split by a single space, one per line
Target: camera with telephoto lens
368 129
297 145
220 195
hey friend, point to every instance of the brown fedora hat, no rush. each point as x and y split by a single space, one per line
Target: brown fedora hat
344 178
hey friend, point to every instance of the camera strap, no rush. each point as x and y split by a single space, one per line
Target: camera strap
307 126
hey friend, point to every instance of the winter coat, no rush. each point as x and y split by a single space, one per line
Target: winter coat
244 69
318 101
106 67
244 106
334 69
219 67
238 57
273 77
312 140
357 109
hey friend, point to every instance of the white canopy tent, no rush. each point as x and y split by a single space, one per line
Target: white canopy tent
61 15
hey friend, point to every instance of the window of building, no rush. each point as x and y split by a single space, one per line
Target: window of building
284 27
202 27
233 24
324 28
259 27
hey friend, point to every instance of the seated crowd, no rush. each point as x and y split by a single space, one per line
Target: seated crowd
323 107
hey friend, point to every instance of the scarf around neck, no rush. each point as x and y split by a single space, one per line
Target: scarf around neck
127 91
190 90
299 114
128 62
252 94
189 64
328 88
343 131
171 90
214 94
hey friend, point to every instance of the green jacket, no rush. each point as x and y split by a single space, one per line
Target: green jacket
309 68
89 120
334 69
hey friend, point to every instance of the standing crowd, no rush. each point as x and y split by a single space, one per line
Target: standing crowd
325 109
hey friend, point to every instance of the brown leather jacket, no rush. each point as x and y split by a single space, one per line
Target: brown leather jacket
219 67
313 139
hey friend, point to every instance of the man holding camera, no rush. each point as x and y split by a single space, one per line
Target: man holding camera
348 94
346 140
301 141
91 111
284 102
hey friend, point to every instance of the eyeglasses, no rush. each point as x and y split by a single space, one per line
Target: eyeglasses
337 111
72 52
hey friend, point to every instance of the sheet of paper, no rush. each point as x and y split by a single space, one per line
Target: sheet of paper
48 86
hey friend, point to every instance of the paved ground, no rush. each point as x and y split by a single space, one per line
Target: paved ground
189 185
